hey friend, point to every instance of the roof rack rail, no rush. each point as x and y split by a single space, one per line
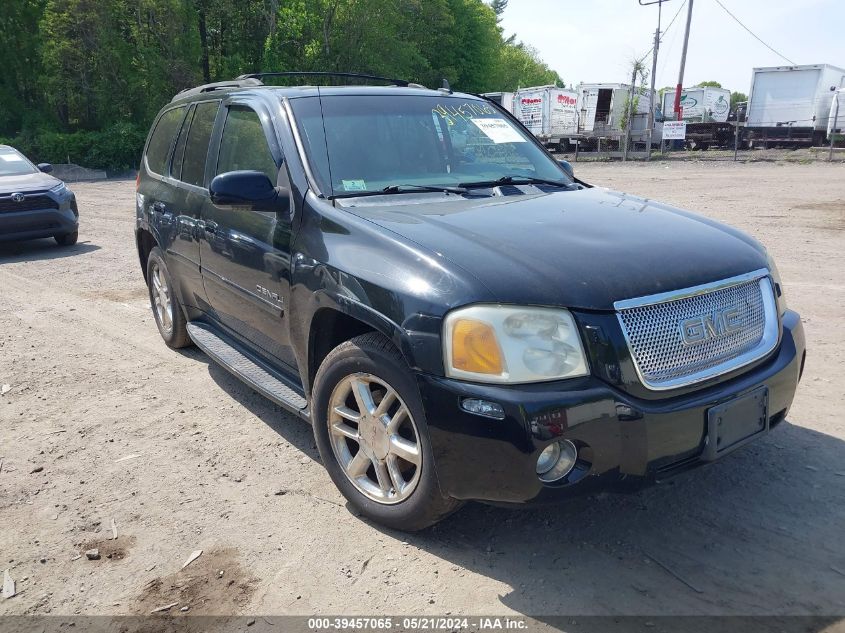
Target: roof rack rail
240 82
396 82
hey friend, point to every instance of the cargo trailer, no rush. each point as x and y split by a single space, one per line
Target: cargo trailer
701 104
549 112
706 110
790 105
504 99
602 110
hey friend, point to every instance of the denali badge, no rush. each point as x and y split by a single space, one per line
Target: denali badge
18 197
272 296
710 326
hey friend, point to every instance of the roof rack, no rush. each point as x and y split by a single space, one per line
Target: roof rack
396 82
240 82
252 80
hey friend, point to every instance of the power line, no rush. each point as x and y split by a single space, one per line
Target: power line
665 31
752 33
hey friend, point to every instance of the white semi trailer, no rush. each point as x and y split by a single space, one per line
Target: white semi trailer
700 104
790 105
706 110
601 107
549 113
504 99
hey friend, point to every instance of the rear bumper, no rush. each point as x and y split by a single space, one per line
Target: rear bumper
625 441
33 224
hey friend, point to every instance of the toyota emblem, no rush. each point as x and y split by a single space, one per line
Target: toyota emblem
18 197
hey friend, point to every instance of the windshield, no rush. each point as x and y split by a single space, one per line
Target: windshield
12 163
369 143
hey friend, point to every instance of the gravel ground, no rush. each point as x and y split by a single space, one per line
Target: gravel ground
103 425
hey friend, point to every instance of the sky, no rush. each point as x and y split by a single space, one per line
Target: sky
596 40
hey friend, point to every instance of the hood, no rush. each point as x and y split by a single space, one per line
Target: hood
37 181
578 249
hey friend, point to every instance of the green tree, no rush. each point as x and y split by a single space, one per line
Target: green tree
499 7
84 78
520 66
21 63
709 84
737 97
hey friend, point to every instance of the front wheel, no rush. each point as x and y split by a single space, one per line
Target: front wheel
68 239
372 435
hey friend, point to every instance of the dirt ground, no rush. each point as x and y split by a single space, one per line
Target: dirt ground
102 424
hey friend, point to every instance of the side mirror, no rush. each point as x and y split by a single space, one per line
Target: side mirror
247 189
45 167
567 167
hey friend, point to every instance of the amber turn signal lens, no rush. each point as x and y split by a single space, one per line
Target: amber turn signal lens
475 348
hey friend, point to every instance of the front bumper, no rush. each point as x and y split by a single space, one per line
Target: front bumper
60 219
625 441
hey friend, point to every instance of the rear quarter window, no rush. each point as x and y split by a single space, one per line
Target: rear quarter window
162 138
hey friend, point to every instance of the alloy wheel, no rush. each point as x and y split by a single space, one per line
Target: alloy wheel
161 299
374 438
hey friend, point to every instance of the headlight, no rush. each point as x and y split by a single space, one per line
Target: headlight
779 296
59 189
509 344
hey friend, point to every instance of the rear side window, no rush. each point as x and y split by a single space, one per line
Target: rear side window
162 139
196 149
179 151
244 145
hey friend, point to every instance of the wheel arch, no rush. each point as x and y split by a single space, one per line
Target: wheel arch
332 325
145 242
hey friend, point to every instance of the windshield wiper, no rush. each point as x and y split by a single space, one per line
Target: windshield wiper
393 189
404 188
516 180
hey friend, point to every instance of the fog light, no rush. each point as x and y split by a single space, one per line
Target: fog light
483 407
548 458
557 460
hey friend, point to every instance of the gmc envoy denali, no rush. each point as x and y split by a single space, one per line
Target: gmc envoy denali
456 315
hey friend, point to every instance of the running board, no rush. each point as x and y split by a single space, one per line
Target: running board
242 366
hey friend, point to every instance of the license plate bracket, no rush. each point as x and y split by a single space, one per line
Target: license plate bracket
736 422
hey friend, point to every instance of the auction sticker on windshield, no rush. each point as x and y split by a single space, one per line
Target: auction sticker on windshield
354 185
498 130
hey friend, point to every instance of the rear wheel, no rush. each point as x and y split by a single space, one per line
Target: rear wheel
167 310
372 435
68 239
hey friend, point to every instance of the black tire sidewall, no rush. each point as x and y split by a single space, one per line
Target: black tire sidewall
426 505
67 239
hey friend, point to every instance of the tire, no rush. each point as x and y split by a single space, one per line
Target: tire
167 311
68 239
411 500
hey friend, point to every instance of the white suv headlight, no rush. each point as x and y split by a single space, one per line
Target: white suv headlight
511 344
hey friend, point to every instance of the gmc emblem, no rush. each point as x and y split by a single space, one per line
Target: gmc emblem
710 326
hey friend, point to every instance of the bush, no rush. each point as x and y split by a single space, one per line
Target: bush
116 148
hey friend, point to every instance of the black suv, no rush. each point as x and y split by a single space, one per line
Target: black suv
456 315
34 204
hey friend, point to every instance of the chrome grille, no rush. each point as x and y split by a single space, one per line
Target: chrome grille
653 327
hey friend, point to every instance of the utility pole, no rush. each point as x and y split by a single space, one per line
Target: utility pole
650 130
835 120
680 85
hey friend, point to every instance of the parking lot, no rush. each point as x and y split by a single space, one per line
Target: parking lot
105 430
